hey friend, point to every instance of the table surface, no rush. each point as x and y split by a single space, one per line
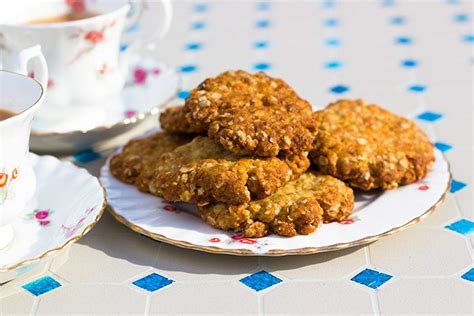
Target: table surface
413 57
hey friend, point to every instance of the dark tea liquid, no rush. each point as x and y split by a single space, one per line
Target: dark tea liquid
63 18
4 114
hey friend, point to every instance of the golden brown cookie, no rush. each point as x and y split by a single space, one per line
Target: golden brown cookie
251 114
136 163
370 147
203 172
299 207
174 120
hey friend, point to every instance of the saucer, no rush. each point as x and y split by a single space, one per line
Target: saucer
149 86
57 216
376 214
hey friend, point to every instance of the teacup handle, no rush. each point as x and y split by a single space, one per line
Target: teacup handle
24 57
137 9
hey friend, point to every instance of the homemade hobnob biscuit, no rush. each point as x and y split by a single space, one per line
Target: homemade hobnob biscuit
369 147
299 207
203 172
136 163
175 120
251 114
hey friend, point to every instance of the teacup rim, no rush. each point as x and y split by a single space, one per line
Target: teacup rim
60 25
29 108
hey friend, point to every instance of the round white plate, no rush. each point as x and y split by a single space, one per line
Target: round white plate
57 216
376 214
60 129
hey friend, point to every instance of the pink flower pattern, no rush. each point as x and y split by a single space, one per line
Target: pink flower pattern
41 216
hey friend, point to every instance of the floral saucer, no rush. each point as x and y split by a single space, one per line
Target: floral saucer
150 85
376 214
57 216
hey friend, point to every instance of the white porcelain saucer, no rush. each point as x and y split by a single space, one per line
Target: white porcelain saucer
150 85
57 216
376 214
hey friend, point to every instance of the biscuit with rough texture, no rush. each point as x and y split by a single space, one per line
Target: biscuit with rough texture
370 147
299 207
252 114
174 120
203 172
135 164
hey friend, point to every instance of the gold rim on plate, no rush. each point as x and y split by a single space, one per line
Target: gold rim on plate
50 252
281 252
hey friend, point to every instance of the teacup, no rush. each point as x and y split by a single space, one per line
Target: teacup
83 41
20 98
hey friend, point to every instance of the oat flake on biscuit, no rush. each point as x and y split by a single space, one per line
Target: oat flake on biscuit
136 163
203 172
299 207
251 114
369 147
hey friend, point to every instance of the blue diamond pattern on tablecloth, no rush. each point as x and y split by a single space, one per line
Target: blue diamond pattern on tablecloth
397 20
457 185
193 46
417 88
442 146
183 94
263 6
188 68
152 282
261 44
198 25
469 38
261 24
463 227
332 42
469 275
86 156
403 40
461 18
409 63
42 285
334 64
331 22
429 116
260 280
262 66
371 278
338 89
200 7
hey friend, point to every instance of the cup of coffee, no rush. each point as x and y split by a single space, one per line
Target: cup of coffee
20 98
83 41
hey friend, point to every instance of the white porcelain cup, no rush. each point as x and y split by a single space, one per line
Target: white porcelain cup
87 58
22 96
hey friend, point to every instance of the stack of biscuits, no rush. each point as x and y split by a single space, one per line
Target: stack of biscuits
241 146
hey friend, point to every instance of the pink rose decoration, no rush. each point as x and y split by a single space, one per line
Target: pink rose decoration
140 75
94 37
215 239
41 214
44 223
156 71
169 208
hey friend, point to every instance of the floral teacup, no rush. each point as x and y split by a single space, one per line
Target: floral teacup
87 57
21 97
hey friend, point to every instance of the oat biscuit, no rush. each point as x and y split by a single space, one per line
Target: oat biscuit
203 172
135 164
251 114
299 207
370 147
175 120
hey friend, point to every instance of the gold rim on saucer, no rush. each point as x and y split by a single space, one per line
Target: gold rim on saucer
50 252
